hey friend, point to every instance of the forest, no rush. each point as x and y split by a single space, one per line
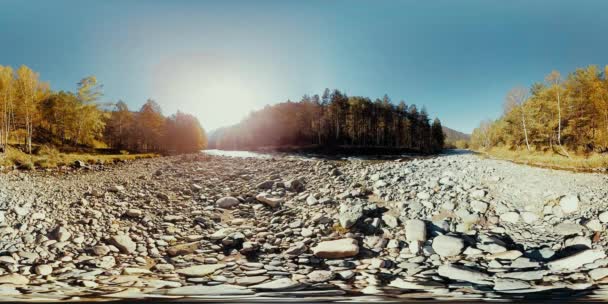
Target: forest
34 116
566 116
334 119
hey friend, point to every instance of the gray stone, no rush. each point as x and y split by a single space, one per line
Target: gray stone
447 246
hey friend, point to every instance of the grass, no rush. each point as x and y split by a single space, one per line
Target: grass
550 159
49 157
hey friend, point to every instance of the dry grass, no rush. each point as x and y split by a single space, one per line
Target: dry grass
49 157
576 162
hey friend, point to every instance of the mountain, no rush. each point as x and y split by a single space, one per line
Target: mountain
452 135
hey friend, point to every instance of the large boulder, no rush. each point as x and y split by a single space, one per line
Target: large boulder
342 248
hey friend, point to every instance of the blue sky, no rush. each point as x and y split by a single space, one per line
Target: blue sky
221 59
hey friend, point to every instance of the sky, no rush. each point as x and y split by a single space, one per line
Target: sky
219 60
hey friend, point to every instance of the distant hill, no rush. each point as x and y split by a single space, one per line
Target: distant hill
452 135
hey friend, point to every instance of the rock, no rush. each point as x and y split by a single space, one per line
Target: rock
269 200
164 267
295 185
578 241
479 206
101 250
15 279
603 217
182 249
510 217
124 243
423 196
215 290
200 270
594 225
43 269
478 194
135 271
462 273
61 234
253 280
566 228
350 214
227 202
342 248
415 230
447 246
134 213
510 284
417 285
390 221
278 285
569 204
529 217
598 273
265 185
534 275
577 260
320 276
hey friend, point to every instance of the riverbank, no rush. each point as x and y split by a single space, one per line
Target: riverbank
594 162
49 158
455 226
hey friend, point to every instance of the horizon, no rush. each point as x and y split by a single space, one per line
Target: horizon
222 61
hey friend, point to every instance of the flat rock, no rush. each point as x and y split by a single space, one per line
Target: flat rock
462 273
215 290
277 285
200 270
577 260
342 248
15 279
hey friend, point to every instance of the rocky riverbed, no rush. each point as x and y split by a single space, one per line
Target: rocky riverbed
449 227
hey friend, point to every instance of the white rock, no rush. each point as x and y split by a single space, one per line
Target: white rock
415 230
510 217
479 206
569 204
598 273
529 217
337 249
603 217
594 225
423 195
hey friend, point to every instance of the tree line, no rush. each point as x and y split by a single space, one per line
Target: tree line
30 112
560 115
334 119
